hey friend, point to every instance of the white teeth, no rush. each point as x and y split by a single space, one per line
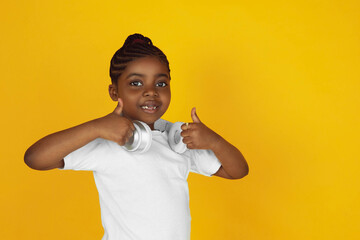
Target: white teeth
146 107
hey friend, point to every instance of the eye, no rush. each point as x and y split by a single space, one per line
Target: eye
136 83
161 84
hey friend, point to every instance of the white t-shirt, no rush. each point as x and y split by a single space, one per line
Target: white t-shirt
143 196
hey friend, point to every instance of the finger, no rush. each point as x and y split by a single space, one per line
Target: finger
194 116
185 126
119 107
122 142
128 136
185 133
190 146
132 127
187 140
130 133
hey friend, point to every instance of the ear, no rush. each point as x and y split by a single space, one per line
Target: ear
113 92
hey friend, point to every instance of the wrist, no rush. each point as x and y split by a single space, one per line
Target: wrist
215 145
94 128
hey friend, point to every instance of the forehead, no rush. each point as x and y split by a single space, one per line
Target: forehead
147 66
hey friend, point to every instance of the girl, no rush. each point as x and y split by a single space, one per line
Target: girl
142 195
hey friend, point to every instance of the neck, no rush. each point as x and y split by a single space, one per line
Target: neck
151 126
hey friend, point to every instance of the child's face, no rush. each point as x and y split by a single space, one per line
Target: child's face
144 87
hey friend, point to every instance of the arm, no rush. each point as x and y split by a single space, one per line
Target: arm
49 152
233 163
198 136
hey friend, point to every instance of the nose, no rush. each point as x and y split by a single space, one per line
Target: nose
150 91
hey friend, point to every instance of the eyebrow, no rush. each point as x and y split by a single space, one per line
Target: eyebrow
142 75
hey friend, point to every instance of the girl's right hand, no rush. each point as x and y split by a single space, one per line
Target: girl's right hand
115 127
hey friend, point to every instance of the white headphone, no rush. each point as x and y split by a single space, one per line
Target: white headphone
141 138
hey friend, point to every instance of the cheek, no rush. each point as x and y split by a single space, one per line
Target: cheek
166 92
166 97
129 96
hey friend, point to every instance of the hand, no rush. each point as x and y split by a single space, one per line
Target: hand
115 127
198 136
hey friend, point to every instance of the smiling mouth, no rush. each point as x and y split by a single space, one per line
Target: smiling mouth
149 107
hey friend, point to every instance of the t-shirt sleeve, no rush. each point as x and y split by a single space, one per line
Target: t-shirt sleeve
87 157
203 161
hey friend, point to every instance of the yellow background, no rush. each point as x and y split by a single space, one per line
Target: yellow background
277 79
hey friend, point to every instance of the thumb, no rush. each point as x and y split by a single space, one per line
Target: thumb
119 107
194 116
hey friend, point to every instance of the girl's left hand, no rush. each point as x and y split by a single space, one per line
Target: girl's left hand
198 136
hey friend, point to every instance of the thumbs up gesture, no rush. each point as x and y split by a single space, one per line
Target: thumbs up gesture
197 135
114 126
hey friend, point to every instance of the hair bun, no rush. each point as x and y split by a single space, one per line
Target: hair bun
137 38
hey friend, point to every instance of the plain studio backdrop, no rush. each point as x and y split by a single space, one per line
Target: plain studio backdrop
277 79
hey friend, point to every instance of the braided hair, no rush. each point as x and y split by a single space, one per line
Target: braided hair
135 46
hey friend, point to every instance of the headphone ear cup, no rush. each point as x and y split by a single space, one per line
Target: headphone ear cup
141 140
175 139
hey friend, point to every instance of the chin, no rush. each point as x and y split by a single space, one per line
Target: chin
150 120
